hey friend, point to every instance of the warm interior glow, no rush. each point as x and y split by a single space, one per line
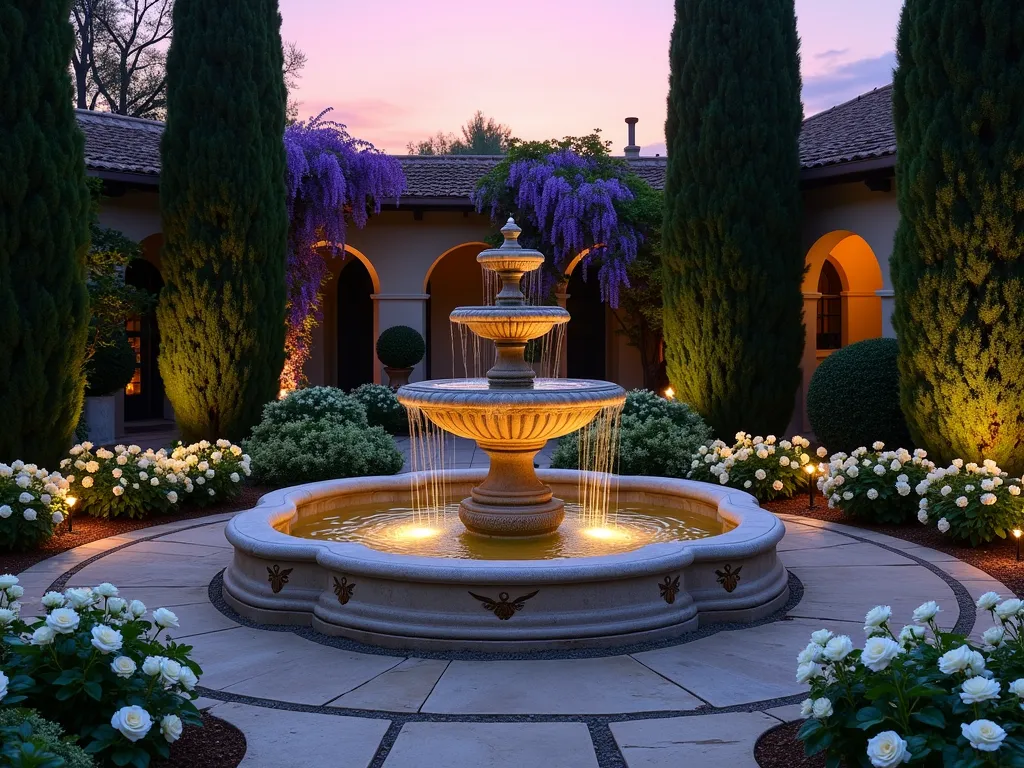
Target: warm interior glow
606 533
71 501
1017 532
669 393
416 532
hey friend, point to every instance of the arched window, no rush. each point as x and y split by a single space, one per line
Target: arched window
830 308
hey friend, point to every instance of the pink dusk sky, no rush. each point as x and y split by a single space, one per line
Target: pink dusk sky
401 70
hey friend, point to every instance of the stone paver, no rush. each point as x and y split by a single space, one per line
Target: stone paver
723 741
564 686
403 688
277 737
492 745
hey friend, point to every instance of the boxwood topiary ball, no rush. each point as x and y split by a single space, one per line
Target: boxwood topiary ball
854 398
400 347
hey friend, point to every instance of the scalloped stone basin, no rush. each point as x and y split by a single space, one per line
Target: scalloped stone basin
402 601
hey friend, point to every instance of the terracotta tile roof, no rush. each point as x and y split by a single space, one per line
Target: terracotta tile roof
859 129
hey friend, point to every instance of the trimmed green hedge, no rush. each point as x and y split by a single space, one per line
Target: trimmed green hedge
854 398
400 347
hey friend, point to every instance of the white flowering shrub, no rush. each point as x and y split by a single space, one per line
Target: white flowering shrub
876 485
32 502
314 403
924 695
971 502
46 743
131 482
382 408
763 466
95 664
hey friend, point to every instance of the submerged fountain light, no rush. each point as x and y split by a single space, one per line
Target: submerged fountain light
511 414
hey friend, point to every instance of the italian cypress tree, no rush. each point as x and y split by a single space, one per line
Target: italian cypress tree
733 264
44 233
222 193
958 262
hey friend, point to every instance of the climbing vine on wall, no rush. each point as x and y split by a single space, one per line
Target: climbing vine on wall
332 178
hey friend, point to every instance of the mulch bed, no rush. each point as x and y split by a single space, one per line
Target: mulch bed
87 529
780 748
218 744
998 558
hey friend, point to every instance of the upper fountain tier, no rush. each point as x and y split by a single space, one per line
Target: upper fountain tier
509 323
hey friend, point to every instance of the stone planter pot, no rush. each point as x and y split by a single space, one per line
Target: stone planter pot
397 377
103 415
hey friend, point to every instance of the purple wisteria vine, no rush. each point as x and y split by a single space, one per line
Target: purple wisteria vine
574 198
332 177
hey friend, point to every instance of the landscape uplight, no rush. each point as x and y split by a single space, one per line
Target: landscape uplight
1016 534
811 470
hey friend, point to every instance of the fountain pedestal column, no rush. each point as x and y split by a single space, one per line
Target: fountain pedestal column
511 501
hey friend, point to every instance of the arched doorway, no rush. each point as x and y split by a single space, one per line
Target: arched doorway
830 308
144 395
355 325
586 334
454 280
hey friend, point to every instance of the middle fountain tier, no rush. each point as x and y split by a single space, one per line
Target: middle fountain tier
511 414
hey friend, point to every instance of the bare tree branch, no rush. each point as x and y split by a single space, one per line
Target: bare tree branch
294 63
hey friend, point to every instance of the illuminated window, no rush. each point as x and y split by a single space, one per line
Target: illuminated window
830 308
134 328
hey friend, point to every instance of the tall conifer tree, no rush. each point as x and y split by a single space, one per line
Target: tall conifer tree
222 193
44 233
958 263
733 264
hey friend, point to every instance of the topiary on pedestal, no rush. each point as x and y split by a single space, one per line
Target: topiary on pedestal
854 398
400 348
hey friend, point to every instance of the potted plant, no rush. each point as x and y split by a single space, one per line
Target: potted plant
400 348
107 372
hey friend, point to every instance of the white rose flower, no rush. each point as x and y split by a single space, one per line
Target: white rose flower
7 581
1008 608
848 495
170 671
170 727
806 707
838 648
117 490
43 636
80 597
53 600
822 708
201 480
29 514
87 482
877 616
988 499
993 637
910 633
887 750
133 722
877 445
879 470
57 518
945 490
926 611
7 616
760 474
1017 688
942 525
6 511
821 637
747 484
188 678
106 589
853 471
983 735
777 485
165 618
116 605
988 601
879 652
1014 490
809 655
64 621
960 659
151 665
922 516
138 608
975 690
26 498
807 672
117 473
3 685
106 639
122 666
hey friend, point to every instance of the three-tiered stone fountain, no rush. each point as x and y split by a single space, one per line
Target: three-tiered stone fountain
355 558
510 414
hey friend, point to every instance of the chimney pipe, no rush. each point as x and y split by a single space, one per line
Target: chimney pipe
632 150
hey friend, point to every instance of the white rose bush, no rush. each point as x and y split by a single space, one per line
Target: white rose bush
130 482
973 503
876 485
765 467
922 695
94 663
32 502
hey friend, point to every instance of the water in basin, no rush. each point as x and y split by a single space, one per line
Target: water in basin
401 530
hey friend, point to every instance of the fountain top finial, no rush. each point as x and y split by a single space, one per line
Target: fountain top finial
511 231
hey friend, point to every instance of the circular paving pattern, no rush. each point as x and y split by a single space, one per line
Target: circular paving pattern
703 700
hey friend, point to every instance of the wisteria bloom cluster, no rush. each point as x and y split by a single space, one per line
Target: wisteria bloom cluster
876 485
573 201
131 482
923 694
331 177
766 467
971 502
102 667
32 502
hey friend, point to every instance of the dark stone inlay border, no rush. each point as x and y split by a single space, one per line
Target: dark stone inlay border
216 594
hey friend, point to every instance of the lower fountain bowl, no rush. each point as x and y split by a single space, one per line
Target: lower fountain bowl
414 602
